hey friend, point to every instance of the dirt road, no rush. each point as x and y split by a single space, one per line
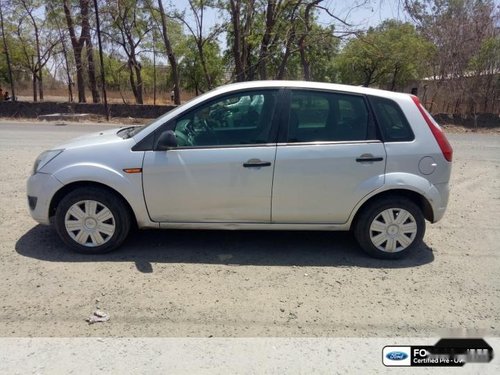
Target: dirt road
191 283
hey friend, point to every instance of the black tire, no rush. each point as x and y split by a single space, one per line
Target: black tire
374 211
121 220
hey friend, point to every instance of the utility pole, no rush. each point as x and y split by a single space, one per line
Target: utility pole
154 67
103 75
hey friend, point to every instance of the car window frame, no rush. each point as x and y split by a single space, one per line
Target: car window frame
377 120
285 116
273 135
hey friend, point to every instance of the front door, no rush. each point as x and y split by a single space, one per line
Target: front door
223 166
329 161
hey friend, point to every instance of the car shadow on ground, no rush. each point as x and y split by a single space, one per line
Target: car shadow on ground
258 248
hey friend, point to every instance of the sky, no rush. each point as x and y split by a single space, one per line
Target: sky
364 13
361 14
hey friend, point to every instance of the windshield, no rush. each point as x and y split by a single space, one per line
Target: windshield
130 131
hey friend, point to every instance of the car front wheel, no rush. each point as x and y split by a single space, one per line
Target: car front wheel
92 220
390 228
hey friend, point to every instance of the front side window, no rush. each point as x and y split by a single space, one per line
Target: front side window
321 116
239 119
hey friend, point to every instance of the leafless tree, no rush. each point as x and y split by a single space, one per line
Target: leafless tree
27 25
306 68
78 43
195 25
63 51
129 30
242 14
160 18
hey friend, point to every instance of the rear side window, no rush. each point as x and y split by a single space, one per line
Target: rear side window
392 121
321 116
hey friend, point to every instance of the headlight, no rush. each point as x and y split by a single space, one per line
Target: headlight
44 158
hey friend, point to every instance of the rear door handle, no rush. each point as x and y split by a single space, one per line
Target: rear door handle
253 163
365 158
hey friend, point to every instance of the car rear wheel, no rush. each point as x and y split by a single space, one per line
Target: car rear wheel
92 220
390 228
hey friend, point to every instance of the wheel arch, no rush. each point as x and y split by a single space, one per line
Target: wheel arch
411 195
61 193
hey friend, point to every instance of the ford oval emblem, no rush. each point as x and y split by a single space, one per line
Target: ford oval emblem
396 356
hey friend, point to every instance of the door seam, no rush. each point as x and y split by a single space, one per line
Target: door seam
272 185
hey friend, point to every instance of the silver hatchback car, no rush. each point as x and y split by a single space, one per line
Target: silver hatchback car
255 155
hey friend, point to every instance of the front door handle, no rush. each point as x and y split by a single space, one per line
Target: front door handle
253 163
365 158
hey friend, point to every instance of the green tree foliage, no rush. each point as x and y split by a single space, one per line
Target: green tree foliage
461 31
193 72
487 60
278 39
322 50
155 46
389 55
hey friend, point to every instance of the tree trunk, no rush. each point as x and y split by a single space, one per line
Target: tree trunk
172 60
77 45
38 76
306 67
37 71
394 76
7 56
66 63
246 58
368 77
132 81
266 39
33 82
85 36
80 82
204 66
40 84
138 75
249 67
286 56
290 40
101 60
92 75
235 6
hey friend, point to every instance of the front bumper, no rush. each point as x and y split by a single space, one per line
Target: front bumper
40 189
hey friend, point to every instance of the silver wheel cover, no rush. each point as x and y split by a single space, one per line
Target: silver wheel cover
393 230
90 223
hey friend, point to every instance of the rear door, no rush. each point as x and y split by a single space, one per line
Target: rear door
328 159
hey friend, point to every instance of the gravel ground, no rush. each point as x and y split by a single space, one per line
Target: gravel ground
245 284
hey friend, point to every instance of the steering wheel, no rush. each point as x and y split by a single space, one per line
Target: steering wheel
209 132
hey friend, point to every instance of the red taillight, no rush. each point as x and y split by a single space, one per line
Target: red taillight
436 130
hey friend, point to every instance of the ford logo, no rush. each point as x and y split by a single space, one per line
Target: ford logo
396 356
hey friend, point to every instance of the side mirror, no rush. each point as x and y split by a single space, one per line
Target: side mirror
166 141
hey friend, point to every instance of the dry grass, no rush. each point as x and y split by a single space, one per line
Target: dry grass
61 95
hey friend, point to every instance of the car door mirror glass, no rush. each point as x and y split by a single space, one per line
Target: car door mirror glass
166 141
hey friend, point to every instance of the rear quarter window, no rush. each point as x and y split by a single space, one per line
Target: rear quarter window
391 120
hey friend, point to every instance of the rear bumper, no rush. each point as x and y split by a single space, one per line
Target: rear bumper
40 189
440 201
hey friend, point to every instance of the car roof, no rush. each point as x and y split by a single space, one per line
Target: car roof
311 85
